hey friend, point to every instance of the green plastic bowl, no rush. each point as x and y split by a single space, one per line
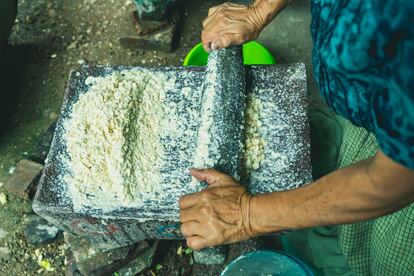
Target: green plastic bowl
253 53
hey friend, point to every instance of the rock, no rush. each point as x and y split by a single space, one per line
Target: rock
71 268
127 260
211 255
250 245
89 258
43 145
3 199
24 178
240 248
206 270
140 262
39 231
3 233
4 253
161 40
154 36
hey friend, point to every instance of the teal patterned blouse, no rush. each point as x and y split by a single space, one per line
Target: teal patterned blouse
363 59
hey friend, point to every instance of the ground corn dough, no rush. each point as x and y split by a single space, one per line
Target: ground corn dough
113 140
254 144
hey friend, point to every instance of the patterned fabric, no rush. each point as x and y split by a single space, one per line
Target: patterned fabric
363 60
383 246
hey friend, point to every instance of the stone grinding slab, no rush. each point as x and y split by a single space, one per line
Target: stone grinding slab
282 89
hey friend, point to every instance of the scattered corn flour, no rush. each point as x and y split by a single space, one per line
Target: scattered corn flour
113 140
115 145
254 144
202 157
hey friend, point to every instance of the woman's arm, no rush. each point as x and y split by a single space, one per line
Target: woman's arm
226 213
363 191
230 24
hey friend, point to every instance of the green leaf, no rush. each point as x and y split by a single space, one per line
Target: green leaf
180 251
188 251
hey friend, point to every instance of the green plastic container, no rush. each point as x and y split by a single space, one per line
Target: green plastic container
253 53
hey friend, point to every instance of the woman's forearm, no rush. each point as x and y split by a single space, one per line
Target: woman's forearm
365 190
268 9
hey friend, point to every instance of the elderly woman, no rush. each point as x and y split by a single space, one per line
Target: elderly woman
363 59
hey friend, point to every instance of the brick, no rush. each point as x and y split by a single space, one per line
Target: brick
23 181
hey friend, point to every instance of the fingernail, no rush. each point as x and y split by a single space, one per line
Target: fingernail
215 45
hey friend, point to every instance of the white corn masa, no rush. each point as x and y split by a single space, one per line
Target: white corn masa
113 139
254 144
202 158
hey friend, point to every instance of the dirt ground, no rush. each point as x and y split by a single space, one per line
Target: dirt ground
50 38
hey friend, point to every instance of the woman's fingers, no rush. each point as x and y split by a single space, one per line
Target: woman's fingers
188 200
205 41
191 228
196 242
190 214
229 24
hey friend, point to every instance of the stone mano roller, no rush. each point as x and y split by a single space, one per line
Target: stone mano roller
220 134
215 103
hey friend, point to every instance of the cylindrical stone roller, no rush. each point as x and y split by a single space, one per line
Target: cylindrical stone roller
220 134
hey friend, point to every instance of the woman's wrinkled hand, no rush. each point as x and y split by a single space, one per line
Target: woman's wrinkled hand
231 24
217 215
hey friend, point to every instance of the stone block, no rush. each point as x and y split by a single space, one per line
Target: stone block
23 180
140 262
38 230
4 253
211 255
127 260
161 40
240 248
147 34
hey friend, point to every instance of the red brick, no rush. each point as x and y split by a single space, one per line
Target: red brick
23 180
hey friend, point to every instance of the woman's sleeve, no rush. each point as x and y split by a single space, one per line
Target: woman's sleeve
393 107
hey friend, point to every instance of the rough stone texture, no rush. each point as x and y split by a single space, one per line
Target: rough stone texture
163 36
3 233
161 40
88 258
43 145
4 253
220 133
91 261
240 248
206 270
23 180
38 230
140 262
71 268
211 255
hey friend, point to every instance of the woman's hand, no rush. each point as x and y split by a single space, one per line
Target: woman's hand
220 214
231 24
